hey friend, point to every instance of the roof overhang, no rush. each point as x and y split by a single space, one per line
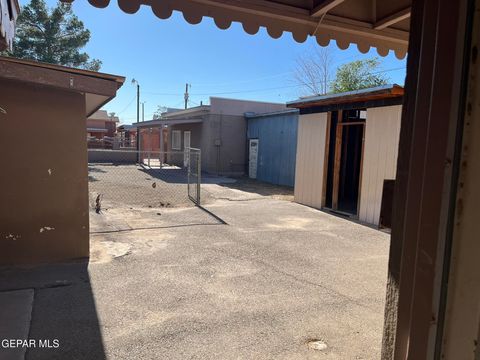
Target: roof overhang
365 95
98 88
367 23
167 122
187 112
97 130
250 115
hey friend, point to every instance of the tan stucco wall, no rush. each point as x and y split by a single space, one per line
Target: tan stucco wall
43 182
380 153
310 162
230 157
239 107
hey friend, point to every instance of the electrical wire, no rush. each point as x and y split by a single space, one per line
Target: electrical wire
126 107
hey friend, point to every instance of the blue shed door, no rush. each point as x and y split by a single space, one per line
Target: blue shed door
252 158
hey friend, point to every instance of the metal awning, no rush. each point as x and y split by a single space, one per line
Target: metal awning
384 25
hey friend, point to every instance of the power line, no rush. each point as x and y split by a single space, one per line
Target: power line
280 87
126 107
245 81
243 91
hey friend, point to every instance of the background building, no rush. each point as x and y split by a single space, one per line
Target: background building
272 146
218 129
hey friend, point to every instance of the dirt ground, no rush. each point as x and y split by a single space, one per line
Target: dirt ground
132 186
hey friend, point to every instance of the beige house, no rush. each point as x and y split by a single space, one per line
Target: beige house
45 208
347 151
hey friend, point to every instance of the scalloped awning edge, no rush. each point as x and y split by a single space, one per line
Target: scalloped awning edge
277 20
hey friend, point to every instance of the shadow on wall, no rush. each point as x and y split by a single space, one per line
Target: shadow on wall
63 308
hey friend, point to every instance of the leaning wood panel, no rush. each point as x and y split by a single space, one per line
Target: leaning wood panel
310 160
337 160
380 158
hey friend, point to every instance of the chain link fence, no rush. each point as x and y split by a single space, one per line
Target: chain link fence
129 178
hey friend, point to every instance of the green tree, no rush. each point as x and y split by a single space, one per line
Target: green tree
158 113
53 35
359 74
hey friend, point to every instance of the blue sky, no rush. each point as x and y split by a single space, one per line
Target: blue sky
163 55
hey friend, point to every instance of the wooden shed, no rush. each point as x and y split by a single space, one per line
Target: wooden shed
347 151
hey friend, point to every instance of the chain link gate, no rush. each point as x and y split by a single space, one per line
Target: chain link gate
194 166
140 179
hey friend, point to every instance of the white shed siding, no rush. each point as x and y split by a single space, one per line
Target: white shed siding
382 134
312 129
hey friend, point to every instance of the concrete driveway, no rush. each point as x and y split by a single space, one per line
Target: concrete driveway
179 284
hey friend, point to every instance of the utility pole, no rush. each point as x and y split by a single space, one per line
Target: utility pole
186 96
138 116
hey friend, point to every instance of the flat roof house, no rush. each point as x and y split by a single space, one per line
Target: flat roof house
128 136
347 151
44 210
218 129
101 124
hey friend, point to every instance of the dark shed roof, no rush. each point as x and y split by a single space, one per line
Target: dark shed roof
384 95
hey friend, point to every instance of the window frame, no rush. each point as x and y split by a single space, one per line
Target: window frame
176 146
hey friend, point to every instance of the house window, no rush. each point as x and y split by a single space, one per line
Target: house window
176 140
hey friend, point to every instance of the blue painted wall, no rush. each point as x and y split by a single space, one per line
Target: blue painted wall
277 148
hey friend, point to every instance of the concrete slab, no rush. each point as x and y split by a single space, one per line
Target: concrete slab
280 281
15 317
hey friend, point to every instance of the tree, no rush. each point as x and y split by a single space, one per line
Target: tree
359 74
158 113
53 35
314 70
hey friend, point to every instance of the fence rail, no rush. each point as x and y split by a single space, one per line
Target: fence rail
130 178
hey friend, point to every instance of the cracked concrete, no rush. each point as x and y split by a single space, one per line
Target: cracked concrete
183 285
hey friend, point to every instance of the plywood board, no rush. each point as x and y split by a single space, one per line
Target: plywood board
310 161
380 159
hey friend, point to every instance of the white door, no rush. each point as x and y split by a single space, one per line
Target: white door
186 148
252 158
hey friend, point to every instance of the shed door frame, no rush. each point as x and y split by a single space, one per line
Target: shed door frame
338 160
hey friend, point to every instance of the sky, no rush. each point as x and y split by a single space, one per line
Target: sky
164 55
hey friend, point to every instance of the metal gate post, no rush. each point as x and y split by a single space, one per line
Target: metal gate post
199 175
189 169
